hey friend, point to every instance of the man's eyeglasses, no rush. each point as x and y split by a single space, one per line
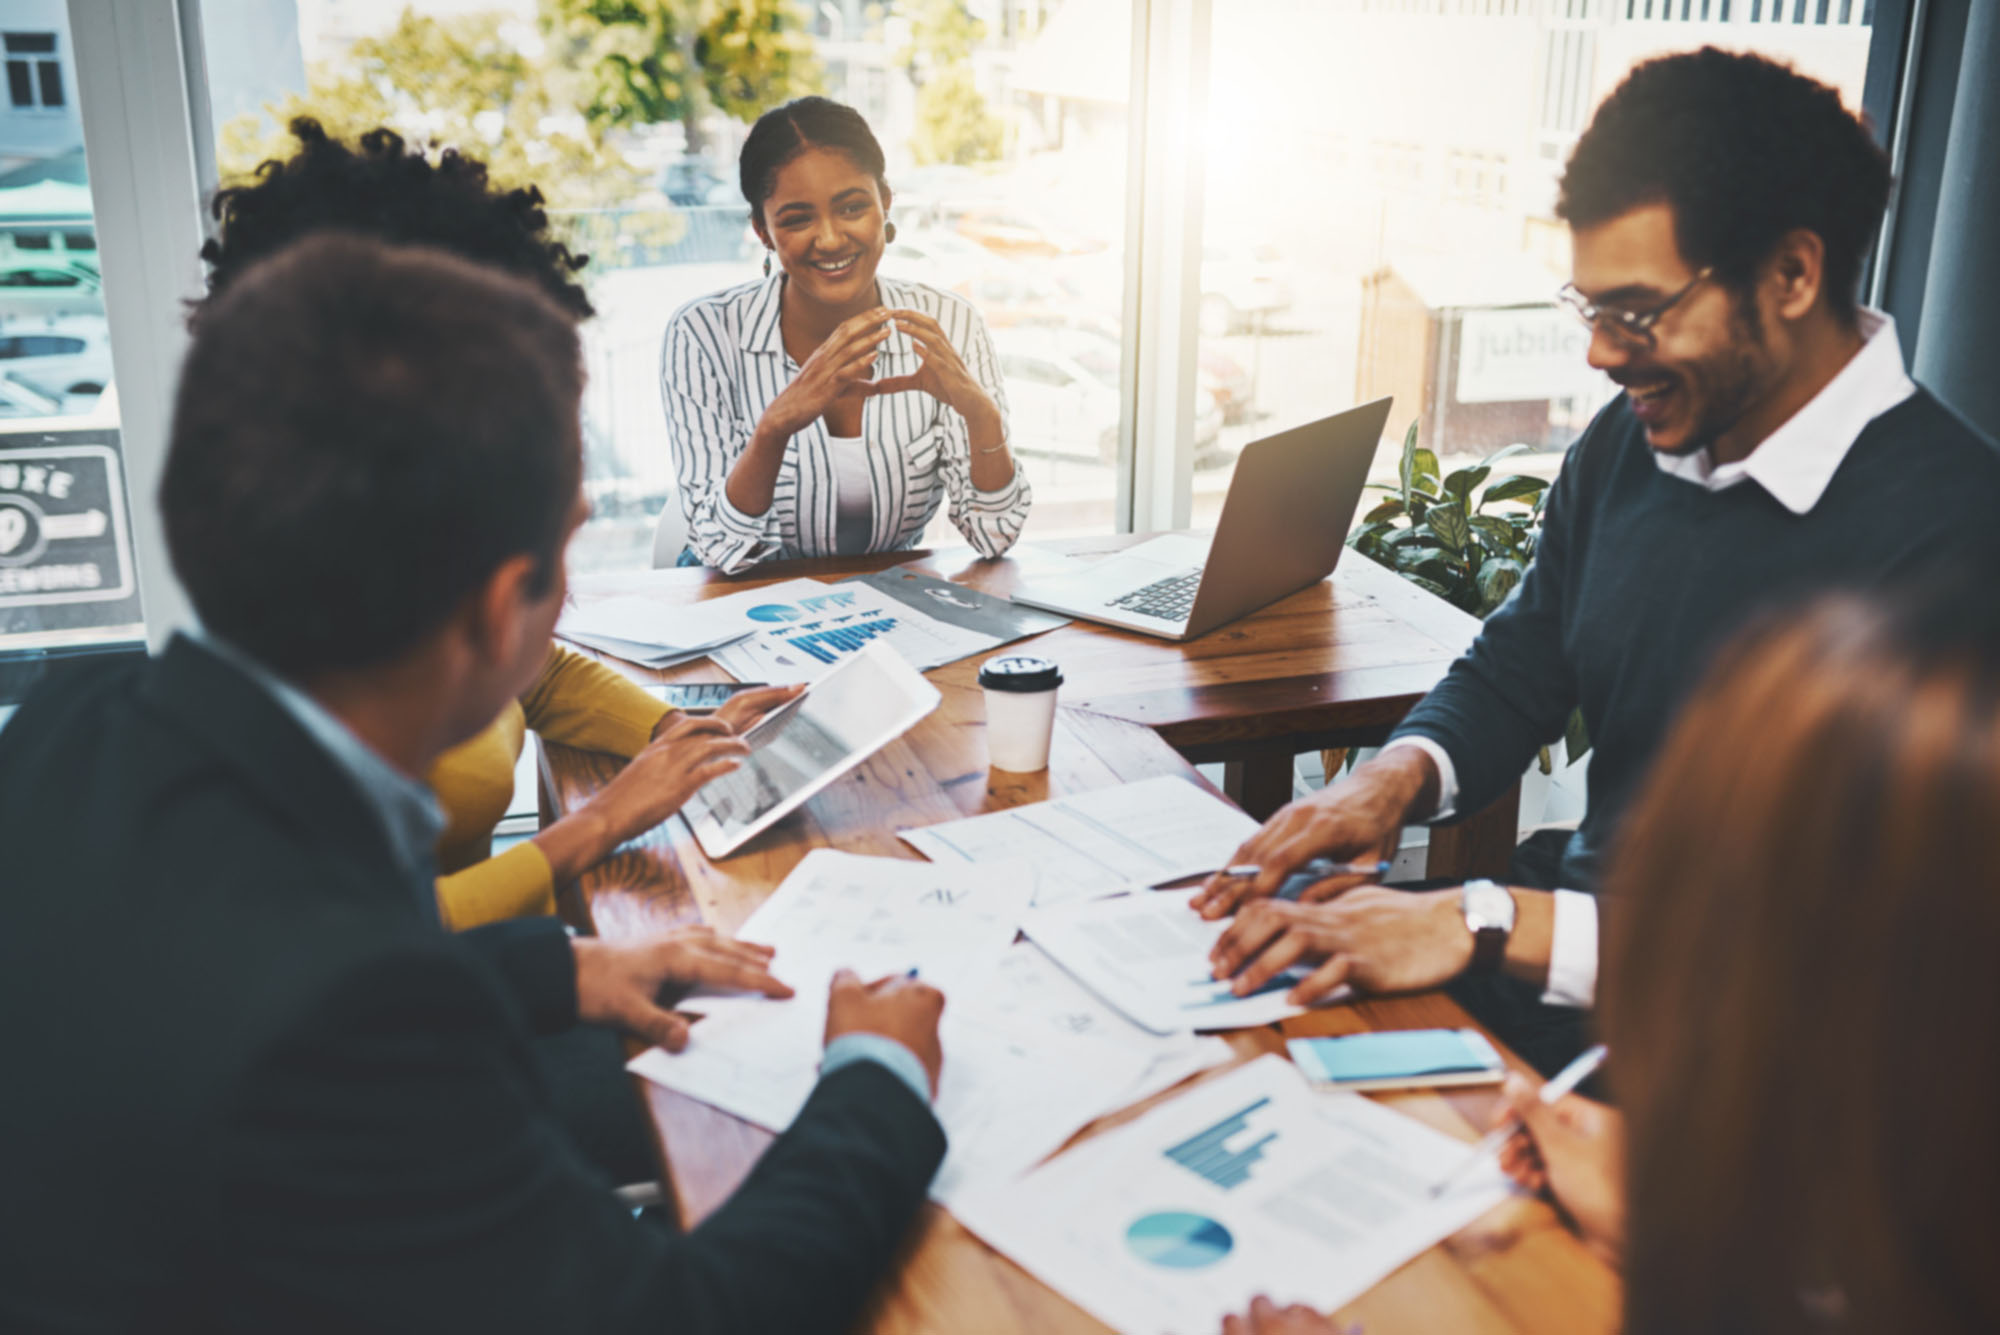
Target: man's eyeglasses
1634 327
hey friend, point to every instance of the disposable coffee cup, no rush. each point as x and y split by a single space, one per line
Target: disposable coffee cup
1020 711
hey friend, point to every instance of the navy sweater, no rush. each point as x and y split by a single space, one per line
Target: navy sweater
1640 577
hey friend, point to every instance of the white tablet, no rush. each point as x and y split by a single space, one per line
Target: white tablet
843 718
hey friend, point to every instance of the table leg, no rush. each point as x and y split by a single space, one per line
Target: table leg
1260 784
1480 846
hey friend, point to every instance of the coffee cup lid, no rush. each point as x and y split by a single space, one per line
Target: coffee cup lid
1020 672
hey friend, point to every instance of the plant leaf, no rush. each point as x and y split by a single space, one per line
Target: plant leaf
1443 571
1461 483
1504 452
1500 536
1387 510
1498 577
1423 464
1576 737
1406 468
1431 584
1518 487
1449 523
1403 537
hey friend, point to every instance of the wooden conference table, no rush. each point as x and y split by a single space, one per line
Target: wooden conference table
1334 665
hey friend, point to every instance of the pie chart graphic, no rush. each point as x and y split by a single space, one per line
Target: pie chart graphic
773 612
1178 1240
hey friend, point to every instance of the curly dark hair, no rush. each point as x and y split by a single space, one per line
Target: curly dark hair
1744 150
387 190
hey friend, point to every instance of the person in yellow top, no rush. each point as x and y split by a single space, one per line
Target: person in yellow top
580 703
383 189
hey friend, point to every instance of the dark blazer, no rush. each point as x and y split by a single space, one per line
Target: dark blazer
246 1083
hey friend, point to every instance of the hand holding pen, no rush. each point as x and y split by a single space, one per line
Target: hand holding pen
1492 1142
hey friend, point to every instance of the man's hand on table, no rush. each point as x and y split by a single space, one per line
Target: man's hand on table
1375 939
619 985
1267 1318
1573 1149
897 1007
1360 817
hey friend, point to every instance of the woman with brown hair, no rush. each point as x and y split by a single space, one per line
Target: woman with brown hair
1801 992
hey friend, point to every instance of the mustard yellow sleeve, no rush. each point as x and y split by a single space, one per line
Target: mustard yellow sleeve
582 703
517 884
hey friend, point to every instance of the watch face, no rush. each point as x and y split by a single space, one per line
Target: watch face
1488 905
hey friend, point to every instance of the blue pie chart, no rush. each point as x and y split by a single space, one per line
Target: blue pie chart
773 612
1178 1240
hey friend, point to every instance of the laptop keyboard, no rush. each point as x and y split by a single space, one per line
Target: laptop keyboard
1168 599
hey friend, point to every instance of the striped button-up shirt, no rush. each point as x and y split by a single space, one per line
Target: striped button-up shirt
722 364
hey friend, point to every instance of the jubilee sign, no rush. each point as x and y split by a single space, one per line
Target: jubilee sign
62 527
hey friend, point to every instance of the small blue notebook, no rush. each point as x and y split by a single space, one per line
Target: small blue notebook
1401 1059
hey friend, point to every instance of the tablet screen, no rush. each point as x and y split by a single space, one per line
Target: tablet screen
842 719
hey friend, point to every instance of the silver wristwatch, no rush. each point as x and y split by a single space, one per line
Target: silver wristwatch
1488 907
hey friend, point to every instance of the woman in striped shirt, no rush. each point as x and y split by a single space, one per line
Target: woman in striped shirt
824 410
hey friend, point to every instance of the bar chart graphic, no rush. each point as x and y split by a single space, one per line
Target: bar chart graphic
1208 1154
827 646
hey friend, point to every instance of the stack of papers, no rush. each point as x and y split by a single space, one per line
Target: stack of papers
1025 1063
1250 1183
1096 844
645 632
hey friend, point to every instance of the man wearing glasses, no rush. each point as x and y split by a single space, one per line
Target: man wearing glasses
1768 445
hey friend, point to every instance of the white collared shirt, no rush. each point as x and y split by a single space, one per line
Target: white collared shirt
1795 464
723 361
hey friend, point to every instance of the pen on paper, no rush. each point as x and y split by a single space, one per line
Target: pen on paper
1318 867
1565 1081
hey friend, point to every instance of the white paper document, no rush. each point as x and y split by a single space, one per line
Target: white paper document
641 630
1006 1098
1250 1183
1099 843
759 1058
1147 954
1030 996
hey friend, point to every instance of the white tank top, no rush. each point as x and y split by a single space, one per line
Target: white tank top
854 504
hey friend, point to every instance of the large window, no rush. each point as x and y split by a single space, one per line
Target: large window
68 576
1380 207
1375 180
1005 138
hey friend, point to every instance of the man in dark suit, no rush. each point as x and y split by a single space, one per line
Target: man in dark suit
250 1084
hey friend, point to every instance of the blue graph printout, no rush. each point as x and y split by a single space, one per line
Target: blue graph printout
829 645
1207 1153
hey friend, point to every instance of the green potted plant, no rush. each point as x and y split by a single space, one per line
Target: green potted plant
1436 530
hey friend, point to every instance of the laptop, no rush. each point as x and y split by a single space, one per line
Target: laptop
1283 525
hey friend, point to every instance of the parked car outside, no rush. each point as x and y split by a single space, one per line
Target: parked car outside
1062 396
17 400
1241 286
49 287
57 358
